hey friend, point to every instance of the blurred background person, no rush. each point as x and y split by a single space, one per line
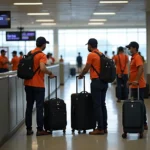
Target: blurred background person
113 54
21 55
106 54
79 62
15 61
61 60
49 60
52 58
3 62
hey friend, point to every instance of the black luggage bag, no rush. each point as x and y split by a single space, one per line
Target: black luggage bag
82 112
133 116
73 71
55 114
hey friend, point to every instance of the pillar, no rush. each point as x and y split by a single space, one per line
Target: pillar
56 48
148 39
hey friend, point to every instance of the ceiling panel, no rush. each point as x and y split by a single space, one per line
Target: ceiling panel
76 13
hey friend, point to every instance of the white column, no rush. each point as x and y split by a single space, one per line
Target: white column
56 48
148 39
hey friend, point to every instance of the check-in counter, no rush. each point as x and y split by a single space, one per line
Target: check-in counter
64 72
13 101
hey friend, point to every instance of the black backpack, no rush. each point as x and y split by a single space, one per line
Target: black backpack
108 69
25 67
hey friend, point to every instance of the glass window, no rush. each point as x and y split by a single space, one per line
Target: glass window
73 41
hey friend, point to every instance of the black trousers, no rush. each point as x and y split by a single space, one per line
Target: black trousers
34 94
98 91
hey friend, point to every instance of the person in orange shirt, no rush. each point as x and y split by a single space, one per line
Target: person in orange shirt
52 58
15 61
113 54
3 62
61 59
121 61
136 76
21 55
98 87
35 88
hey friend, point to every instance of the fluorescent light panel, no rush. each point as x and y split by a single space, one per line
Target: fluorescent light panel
109 13
38 14
28 4
113 2
45 20
96 20
48 24
96 23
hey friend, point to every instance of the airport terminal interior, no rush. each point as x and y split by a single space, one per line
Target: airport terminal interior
68 25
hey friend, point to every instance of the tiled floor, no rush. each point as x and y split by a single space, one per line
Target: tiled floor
112 141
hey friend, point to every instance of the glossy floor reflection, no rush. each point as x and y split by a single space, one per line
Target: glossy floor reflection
58 141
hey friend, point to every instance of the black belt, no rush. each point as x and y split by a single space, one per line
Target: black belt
94 79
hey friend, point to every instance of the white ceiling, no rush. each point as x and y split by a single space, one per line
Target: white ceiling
76 13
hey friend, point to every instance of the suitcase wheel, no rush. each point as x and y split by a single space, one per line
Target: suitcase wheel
73 131
64 131
79 131
84 131
124 135
141 135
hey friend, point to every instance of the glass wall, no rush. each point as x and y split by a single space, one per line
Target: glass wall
29 45
73 41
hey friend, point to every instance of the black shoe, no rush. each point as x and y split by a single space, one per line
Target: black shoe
30 132
42 133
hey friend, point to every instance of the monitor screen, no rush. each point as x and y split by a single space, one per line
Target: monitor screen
28 36
13 36
5 19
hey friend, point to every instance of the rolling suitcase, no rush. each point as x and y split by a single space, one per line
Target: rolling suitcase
133 116
73 71
55 114
82 112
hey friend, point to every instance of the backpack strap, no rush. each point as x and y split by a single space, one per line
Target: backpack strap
33 56
122 71
93 66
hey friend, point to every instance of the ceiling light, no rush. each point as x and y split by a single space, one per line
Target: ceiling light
110 13
95 23
98 20
45 20
38 14
113 2
48 24
28 4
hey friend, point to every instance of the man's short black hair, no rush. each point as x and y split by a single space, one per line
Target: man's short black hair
120 49
21 53
14 52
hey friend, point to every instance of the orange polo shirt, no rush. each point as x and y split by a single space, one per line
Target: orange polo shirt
94 59
136 61
20 58
3 59
123 63
15 63
38 78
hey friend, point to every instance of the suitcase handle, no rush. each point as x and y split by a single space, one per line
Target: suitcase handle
49 86
77 84
130 92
